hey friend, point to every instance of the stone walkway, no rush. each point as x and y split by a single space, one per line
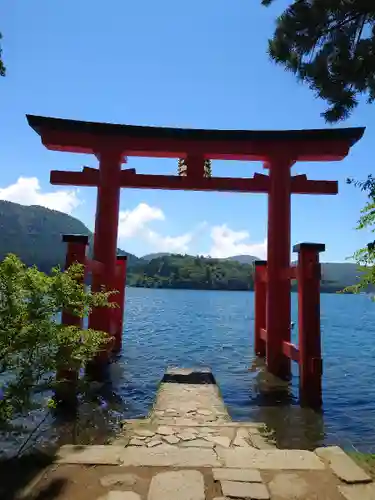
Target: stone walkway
189 449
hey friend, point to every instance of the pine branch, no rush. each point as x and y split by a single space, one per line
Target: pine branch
327 45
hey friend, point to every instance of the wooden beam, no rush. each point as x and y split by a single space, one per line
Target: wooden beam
301 185
89 177
130 179
254 150
291 351
239 185
263 334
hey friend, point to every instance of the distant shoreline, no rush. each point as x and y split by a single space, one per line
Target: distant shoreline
294 290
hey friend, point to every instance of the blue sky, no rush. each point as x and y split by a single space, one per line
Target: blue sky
193 64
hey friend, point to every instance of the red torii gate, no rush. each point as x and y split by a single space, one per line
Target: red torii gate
279 150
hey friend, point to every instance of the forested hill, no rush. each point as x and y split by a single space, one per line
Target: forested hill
33 233
185 271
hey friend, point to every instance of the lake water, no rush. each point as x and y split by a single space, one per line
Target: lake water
192 328
203 328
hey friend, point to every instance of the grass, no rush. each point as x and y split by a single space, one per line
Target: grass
364 460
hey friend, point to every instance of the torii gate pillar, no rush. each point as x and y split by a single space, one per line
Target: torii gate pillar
278 313
106 230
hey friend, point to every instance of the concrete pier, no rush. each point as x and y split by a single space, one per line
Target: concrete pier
188 448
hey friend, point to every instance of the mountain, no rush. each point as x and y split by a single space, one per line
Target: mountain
243 259
155 255
187 272
34 234
164 270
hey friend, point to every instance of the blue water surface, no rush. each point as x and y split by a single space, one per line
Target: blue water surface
216 329
195 328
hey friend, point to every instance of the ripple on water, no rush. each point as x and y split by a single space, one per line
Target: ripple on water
165 327
199 328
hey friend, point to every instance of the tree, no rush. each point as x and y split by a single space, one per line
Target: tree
2 67
330 46
207 168
365 256
33 342
182 168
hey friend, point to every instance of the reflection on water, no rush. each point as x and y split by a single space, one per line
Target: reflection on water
199 328
275 406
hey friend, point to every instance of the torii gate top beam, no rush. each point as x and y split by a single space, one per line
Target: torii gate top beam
88 137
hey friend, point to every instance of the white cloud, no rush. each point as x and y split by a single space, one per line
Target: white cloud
27 191
134 224
226 242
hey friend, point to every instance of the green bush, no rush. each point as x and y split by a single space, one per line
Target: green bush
33 342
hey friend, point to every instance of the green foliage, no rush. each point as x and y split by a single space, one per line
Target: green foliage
2 66
365 257
179 271
207 168
34 235
182 168
330 46
33 342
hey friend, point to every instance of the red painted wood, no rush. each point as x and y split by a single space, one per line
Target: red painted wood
94 266
105 235
263 334
291 351
309 326
120 300
129 179
278 263
80 142
260 305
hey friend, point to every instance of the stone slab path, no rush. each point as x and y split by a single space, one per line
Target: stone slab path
189 449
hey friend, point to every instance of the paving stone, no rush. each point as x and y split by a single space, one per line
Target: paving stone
219 440
289 485
206 430
171 439
252 458
241 439
121 441
221 498
166 455
187 436
164 430
181 485
120 495
358 492
197 443
342 465
204 412
144 433
90 455
141 438
186 421
117 479
255 491
241 475
136 442
260 442
154 442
